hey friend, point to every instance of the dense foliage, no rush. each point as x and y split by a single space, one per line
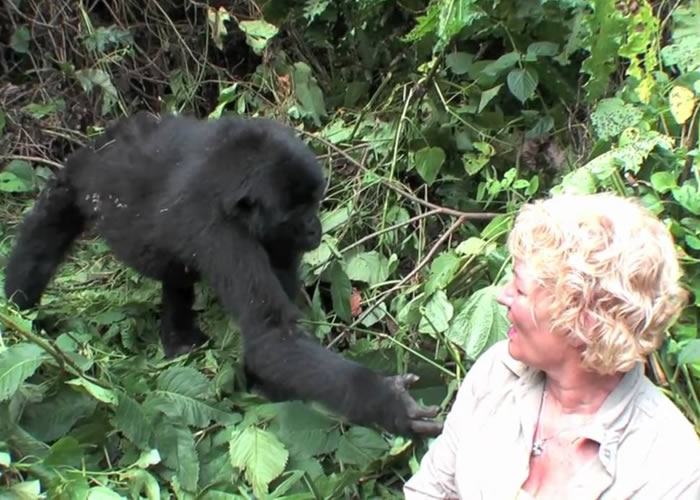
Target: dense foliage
435 121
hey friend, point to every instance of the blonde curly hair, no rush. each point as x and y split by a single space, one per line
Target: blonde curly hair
611 268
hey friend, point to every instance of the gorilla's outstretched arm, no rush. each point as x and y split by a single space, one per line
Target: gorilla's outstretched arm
284 361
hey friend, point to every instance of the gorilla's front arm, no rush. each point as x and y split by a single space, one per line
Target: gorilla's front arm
283 361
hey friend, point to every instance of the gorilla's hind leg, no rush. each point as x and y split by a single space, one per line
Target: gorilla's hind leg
178 331
44 238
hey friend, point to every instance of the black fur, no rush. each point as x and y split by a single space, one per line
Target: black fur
234 202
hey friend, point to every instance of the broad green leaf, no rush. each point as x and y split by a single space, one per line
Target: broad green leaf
503 63
436 314
690 353
99 393
55 416
473 246
5 459
187 381
684 52
176 446
628 157
308 92
542 49
612 116
341 288
91 77
580 181
65 452
148 458
103 493
17 363
682 101
442 271
369 267
429 160
487 96
182 394
24 490
479 323
258 33
663 182
305 431
360 446
689 198
459 62
11 183
260 454
141 481
336 218
131 419
522 83
605 30
19 41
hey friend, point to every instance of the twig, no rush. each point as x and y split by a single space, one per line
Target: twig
64 361
36 159
391 228
402 192
406 278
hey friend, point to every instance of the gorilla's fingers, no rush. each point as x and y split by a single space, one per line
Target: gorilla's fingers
426 428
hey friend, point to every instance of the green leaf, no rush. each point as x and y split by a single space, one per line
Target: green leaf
182 394
522 83
459 62
99 393
19 41
663 182
436 314
14 182
103 493
487 96
89 78
260 454
612 116
690 353
17 363
503 63
131 419
308 92
5 459
442 271
369 267
542 49
140 480
689 198
55 416
479 323
258 34
361 446
341 288
429 160
305 431
177 448
24 490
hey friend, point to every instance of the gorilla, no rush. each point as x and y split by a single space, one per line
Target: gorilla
233 202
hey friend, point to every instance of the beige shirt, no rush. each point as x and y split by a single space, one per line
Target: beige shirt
648 449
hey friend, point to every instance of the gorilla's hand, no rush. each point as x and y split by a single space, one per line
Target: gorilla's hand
418 416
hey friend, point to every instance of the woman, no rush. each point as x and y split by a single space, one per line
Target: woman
562 409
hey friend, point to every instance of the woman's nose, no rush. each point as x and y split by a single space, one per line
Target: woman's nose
505 296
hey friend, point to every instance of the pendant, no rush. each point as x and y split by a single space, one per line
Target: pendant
537 448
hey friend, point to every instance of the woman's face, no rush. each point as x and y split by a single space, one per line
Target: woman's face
531 339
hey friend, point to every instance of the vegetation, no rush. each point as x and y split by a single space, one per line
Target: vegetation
435 120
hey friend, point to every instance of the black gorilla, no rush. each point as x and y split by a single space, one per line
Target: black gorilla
233 201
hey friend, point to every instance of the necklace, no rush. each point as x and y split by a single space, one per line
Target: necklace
538 444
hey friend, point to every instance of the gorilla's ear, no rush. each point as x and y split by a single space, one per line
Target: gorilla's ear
238 203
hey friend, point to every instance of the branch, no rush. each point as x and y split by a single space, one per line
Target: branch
406 278
401 191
